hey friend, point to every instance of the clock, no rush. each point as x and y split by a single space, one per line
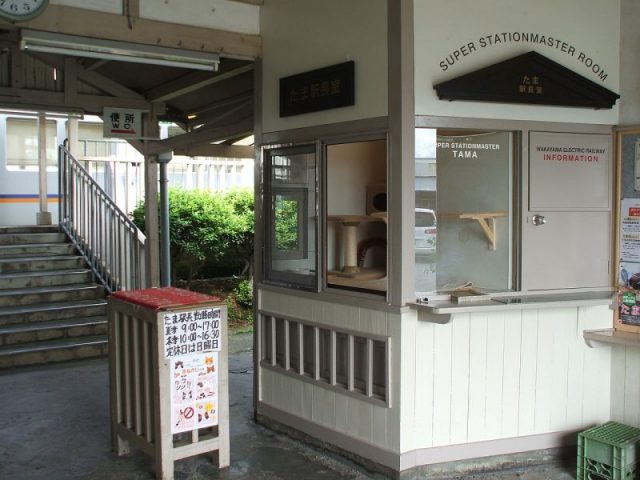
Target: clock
17 10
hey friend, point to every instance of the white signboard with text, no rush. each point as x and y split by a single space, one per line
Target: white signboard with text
122 123
569 171
630 230
192 340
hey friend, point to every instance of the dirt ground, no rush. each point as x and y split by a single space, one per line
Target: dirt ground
240 318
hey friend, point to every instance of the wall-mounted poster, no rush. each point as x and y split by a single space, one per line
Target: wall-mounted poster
630 230
628 312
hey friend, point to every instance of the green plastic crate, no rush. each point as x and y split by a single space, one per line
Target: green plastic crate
608 452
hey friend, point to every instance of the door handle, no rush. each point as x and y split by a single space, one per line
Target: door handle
538 220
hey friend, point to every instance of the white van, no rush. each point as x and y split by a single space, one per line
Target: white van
425 236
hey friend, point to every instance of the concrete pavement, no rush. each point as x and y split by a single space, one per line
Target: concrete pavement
54 425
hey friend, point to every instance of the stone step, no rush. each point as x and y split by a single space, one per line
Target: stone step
44 279
44 312
35 249
63 293
30 238
29 229
39 264
15 334
52 351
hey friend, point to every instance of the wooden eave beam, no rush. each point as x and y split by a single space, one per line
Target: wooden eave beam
192 82
90 77
84 102
109 26
204 135
220 150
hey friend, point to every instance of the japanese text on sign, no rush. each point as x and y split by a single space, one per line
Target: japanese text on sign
196 331
122 123
194 392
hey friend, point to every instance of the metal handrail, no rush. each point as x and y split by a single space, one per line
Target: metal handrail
105 236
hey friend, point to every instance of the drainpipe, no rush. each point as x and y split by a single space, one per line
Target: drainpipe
165 247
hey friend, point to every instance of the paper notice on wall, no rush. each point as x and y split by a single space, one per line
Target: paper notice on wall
194 392
630 230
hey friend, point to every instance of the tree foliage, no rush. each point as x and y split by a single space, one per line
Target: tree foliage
207 226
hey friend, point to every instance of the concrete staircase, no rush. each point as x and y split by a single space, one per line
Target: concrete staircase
51 310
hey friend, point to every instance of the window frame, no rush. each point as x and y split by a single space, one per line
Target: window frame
275 277
516 195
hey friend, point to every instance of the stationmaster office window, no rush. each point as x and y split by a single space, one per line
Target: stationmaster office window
464 209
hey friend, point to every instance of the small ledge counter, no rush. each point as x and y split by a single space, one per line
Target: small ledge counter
610 337
440 311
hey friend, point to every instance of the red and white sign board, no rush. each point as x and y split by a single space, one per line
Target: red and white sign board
122 123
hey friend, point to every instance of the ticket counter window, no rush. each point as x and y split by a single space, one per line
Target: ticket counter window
464 209
291 219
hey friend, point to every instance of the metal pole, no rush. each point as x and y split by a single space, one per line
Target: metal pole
165 247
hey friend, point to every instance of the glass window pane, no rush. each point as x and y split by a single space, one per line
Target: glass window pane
22 142
464 186
290 210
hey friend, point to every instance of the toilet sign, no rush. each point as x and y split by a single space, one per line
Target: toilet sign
122 123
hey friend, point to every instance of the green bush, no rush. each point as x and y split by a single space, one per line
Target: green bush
244 294
207 227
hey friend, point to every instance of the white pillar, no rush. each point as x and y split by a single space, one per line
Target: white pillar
43 217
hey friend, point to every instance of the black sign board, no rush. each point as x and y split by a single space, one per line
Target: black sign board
531 79
321 89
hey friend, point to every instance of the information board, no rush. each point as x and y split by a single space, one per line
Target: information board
192 340
628 254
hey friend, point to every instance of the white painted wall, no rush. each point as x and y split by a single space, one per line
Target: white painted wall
497 375
443 26
629 62
303 35
217 14
625 385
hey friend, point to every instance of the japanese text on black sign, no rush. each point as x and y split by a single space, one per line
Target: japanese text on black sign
191 332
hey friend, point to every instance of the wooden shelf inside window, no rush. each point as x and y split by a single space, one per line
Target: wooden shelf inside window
487 221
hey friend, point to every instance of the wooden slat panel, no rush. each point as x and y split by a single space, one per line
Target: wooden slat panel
460 374
494 377
442 386
565 335
477 376
511 373
631 386
597 371
528 357
424 388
